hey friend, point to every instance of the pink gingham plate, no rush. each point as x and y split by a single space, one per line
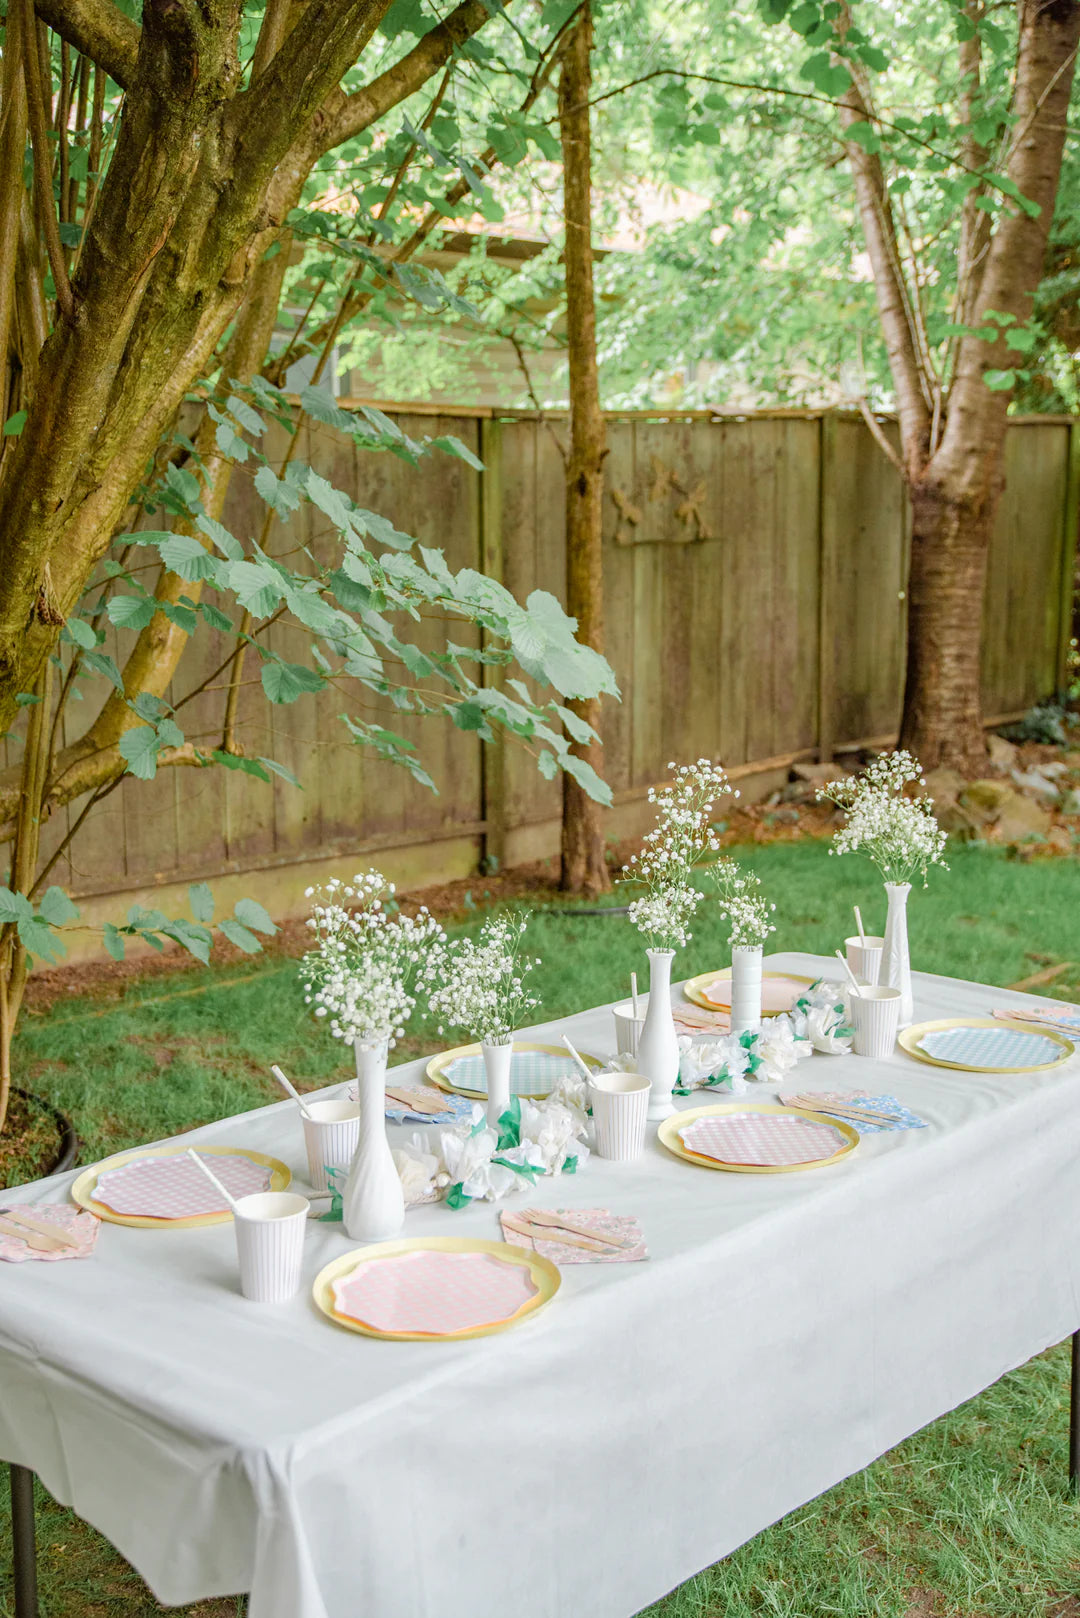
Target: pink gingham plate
159 1187
761 1139
429 1289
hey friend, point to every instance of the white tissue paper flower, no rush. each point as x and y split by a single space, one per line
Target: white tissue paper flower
418 1171
779 1049
704 1059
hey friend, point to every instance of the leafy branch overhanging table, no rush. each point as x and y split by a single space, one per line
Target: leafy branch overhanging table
815 1320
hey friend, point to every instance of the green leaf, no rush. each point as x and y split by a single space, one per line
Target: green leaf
183 486
82 633
14 425
318 403
216 619
113 940
56 908
201 900
240 936
235 761
140 747
548 765
14 906
280 496
226 543
183 555
831 79
251 914
39 939
131 612
279 769
256 585
246 416
454 446
999 381
284 682
102 663
587 779
26 699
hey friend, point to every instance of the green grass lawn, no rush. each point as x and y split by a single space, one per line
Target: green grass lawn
968 1519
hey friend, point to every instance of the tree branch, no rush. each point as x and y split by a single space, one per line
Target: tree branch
359 110
100 30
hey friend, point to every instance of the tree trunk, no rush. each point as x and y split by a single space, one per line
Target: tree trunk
584 869
942 721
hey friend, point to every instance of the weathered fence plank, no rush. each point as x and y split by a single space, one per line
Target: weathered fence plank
754 597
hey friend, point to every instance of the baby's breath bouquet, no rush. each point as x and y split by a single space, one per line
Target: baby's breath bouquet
743 904
361 975
683 834
478 985
900 834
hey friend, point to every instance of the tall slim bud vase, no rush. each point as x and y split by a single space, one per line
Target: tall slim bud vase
658 1046
745 988
497 1061
373 1203
895 959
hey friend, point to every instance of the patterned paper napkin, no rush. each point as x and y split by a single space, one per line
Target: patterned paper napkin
623 1226
421 1112
1064 1019
74 1222
901 1117
691 1019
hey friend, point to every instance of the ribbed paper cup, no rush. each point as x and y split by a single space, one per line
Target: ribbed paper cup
627 1026
270 1230
864 957
620 1102
331 1136
875 1018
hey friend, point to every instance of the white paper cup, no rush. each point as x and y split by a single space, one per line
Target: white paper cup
619 1102
331 1137
270 1230
875 1018
627 1026
864 957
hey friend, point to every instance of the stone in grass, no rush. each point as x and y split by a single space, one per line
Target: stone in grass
1037 784
944 785
983 800
1021 817
1003 753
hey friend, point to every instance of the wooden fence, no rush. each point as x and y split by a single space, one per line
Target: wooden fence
755 571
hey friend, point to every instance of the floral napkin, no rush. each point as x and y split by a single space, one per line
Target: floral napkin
900 1117
83 1227
622 1226
421 1112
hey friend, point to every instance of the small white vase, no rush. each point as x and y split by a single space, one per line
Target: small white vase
497 1060
745 988
373 1203
658 1046
895 959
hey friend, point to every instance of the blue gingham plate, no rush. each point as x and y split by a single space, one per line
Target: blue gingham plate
985 1045
534 1071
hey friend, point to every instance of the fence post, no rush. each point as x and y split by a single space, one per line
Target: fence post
492 754
1070 535
826 577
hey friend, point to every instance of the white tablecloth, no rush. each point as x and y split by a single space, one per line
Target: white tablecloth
785 1331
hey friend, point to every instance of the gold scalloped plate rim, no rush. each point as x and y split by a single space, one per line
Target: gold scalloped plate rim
668 1137
545 1275
908 1041
82 1187
436 1067
693 988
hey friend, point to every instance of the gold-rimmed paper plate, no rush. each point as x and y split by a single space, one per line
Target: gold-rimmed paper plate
545 1277
668 1135
694 988
82 1191
437 1068
911 1039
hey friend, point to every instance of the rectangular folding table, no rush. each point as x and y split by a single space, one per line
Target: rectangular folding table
785 1331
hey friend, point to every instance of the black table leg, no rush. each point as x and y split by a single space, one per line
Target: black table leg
1074 1418
24 1549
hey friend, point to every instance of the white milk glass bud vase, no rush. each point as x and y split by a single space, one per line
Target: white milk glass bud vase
497 1061
373 1203
895 961
658 1046
745 988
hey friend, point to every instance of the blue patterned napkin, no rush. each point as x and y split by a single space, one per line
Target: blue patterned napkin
990 1048
457 1108
900 1117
